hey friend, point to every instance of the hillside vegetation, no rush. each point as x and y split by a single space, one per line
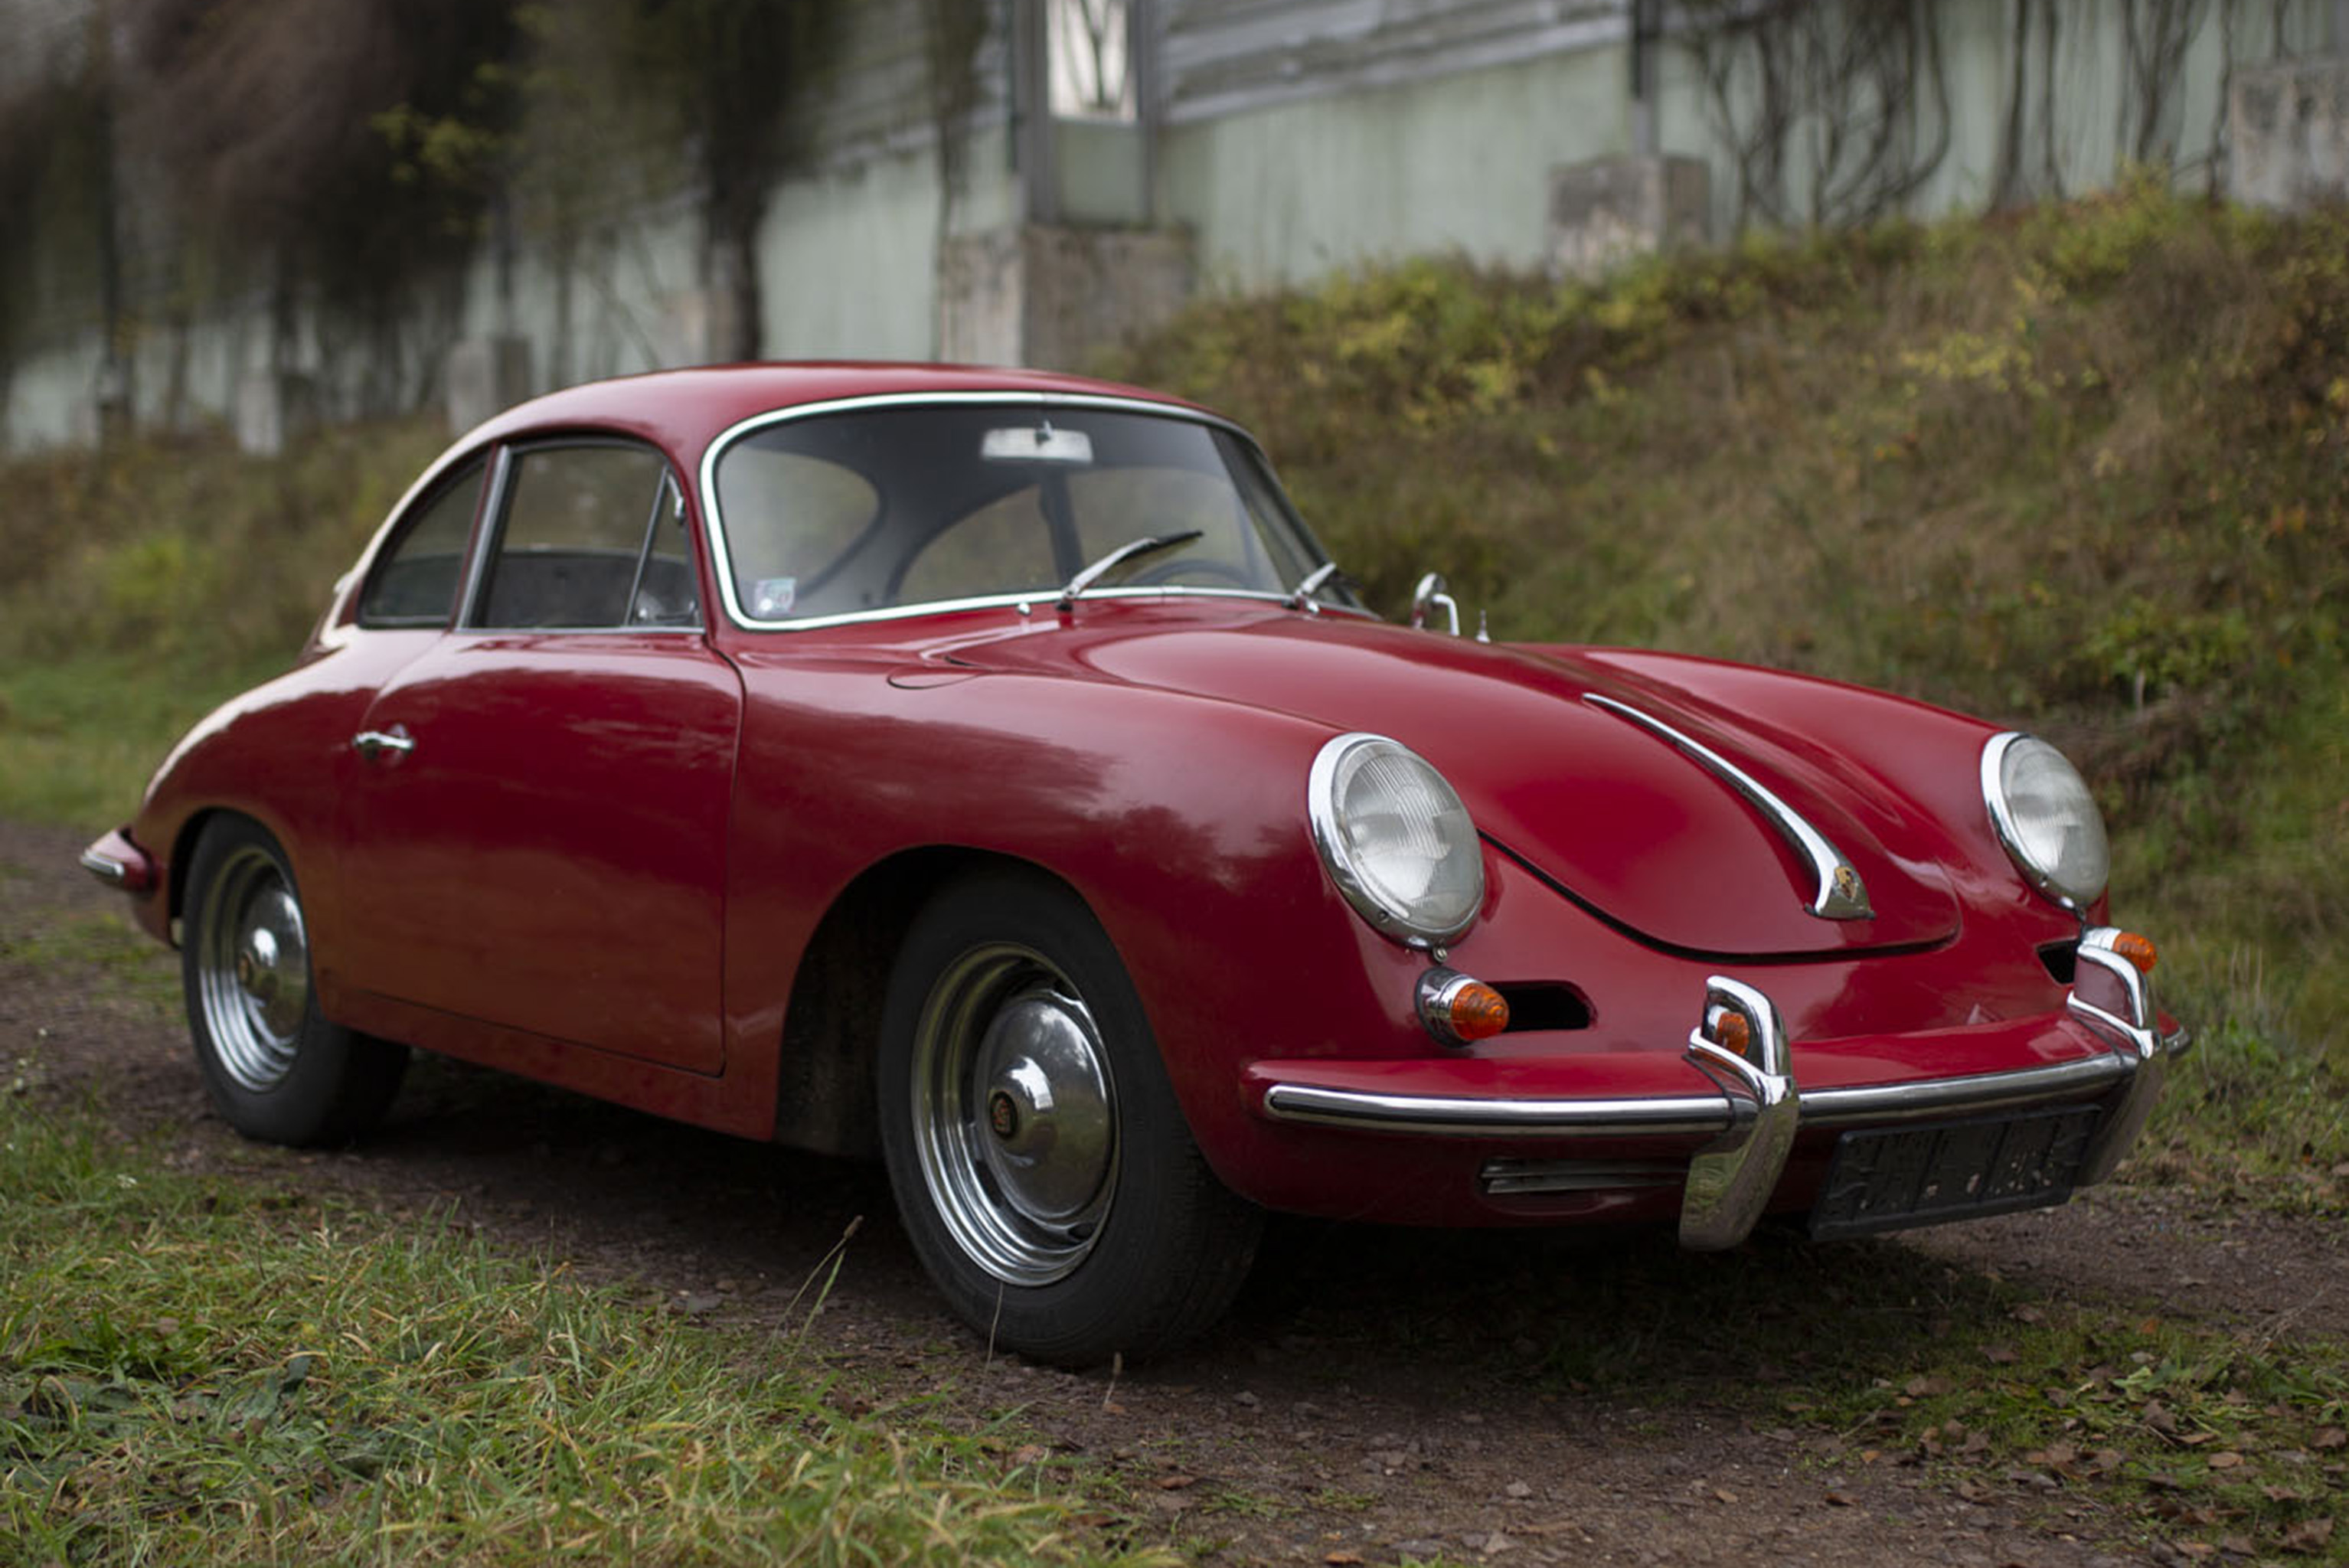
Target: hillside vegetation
2084 469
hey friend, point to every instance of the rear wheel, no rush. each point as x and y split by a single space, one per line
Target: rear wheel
1041 1166
275 1068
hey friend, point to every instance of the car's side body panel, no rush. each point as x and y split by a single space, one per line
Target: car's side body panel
552 856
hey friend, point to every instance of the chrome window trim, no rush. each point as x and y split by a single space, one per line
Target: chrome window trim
713 524
1840 893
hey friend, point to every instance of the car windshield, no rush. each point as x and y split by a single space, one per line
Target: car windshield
878 509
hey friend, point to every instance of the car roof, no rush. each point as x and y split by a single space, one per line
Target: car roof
685 409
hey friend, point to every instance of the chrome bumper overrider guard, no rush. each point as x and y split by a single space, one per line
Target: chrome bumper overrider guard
1755 1109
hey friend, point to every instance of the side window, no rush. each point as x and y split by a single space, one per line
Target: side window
667 593
414 583
592 537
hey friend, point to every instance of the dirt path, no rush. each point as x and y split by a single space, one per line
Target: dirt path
1367 1401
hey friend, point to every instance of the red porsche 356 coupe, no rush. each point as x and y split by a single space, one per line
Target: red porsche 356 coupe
988 768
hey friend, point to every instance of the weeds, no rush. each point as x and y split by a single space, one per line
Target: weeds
208 1371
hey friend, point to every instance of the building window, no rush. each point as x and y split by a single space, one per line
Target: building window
1093 64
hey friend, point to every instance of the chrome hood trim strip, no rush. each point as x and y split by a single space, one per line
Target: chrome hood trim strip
1838 895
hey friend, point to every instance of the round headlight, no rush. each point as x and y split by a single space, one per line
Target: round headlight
2046 818
1396 839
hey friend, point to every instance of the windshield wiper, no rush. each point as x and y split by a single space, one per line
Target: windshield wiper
1129 551
1301 596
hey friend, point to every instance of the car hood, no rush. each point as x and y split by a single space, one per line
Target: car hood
1612 812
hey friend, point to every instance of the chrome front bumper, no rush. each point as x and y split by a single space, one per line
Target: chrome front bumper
1751 1108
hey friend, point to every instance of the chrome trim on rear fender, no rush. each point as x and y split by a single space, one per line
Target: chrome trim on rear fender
105 868
1839 894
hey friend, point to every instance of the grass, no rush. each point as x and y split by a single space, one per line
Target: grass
200 1369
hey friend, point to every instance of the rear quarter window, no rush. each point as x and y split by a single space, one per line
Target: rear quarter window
414 581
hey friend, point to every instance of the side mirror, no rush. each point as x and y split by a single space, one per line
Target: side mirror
1431 592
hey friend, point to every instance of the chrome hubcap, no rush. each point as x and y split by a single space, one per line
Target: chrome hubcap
252 969
1015 1114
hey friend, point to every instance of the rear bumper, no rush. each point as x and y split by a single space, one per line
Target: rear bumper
2109 1046
119 863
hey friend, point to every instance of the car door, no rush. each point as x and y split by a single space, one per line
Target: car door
536 833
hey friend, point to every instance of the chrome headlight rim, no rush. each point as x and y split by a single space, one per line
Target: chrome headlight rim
2042 879
1337 849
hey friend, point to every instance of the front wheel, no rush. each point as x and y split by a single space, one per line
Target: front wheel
275 1068
1041 1166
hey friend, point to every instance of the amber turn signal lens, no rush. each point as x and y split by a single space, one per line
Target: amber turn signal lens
1731 1033
1479 1012
2137 950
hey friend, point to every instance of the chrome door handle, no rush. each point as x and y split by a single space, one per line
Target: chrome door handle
373 743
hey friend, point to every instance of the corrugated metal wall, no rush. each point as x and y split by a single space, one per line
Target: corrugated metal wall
1225 57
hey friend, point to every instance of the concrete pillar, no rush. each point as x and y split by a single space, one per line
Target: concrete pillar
1604 212
274 409
1049 297
485 376
2288 133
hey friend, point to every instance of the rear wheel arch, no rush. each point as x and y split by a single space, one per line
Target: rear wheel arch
183 851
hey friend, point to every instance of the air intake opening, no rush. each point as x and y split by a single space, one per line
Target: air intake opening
1544 1005
2061 960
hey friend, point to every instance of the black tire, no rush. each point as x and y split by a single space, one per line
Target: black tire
1068 1226
275 1068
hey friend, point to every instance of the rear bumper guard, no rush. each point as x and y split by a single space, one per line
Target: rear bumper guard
1751 1108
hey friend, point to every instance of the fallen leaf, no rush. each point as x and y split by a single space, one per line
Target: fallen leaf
1840 1499
2330 1438
1176 1483
1341 1559
1029 1453
1999 1355
2308 1535
2226 1458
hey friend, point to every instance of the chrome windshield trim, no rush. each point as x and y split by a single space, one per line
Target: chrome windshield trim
714 528
1839 894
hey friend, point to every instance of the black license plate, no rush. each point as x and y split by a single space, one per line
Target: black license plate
1907 1176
